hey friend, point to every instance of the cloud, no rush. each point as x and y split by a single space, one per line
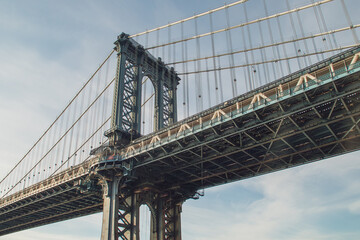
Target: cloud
354 207
48 50
83 228
298 203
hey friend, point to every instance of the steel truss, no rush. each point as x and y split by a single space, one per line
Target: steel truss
165 215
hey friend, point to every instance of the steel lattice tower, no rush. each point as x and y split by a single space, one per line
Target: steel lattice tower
134 63
121 202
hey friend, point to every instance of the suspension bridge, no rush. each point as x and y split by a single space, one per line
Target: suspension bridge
208 100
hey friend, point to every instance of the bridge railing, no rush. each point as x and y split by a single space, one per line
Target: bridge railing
70 175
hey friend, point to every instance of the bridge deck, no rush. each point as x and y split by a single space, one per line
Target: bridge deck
308 116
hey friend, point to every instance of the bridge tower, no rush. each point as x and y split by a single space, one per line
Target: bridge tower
134 62
122 193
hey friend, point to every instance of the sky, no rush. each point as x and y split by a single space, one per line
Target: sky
49 49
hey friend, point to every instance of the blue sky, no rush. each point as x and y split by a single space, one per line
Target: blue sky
49 49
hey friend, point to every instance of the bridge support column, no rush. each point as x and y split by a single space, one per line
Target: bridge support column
172 217
165 216
128 212
166 219
121 210
110 208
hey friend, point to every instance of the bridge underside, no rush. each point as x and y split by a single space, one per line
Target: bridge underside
318 124
59 203
304 125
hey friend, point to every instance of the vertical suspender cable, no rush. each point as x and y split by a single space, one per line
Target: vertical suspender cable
231 56
104 115
214 60
303 35
326 29
66 136
208 83
157 43
97 111
72 133
187 83
85 130
320 29
316 50
56 126
36 153
40 152
183 69
276 51
246 69
53 155
174 55
266 71
250 45
283 45
220 81
93 116
89 116
198 85
79 133
356 39
296 49
251 83
45 162
169 46
163 50
61 127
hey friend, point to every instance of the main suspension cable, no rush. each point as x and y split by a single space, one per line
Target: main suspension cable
52 124
241 25
273 60
269 45
89 138
189 18
64 135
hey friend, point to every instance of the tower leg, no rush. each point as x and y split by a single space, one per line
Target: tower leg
128 223
110 208
167 223
121 213
172 226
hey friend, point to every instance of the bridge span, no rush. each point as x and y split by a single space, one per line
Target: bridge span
304 117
